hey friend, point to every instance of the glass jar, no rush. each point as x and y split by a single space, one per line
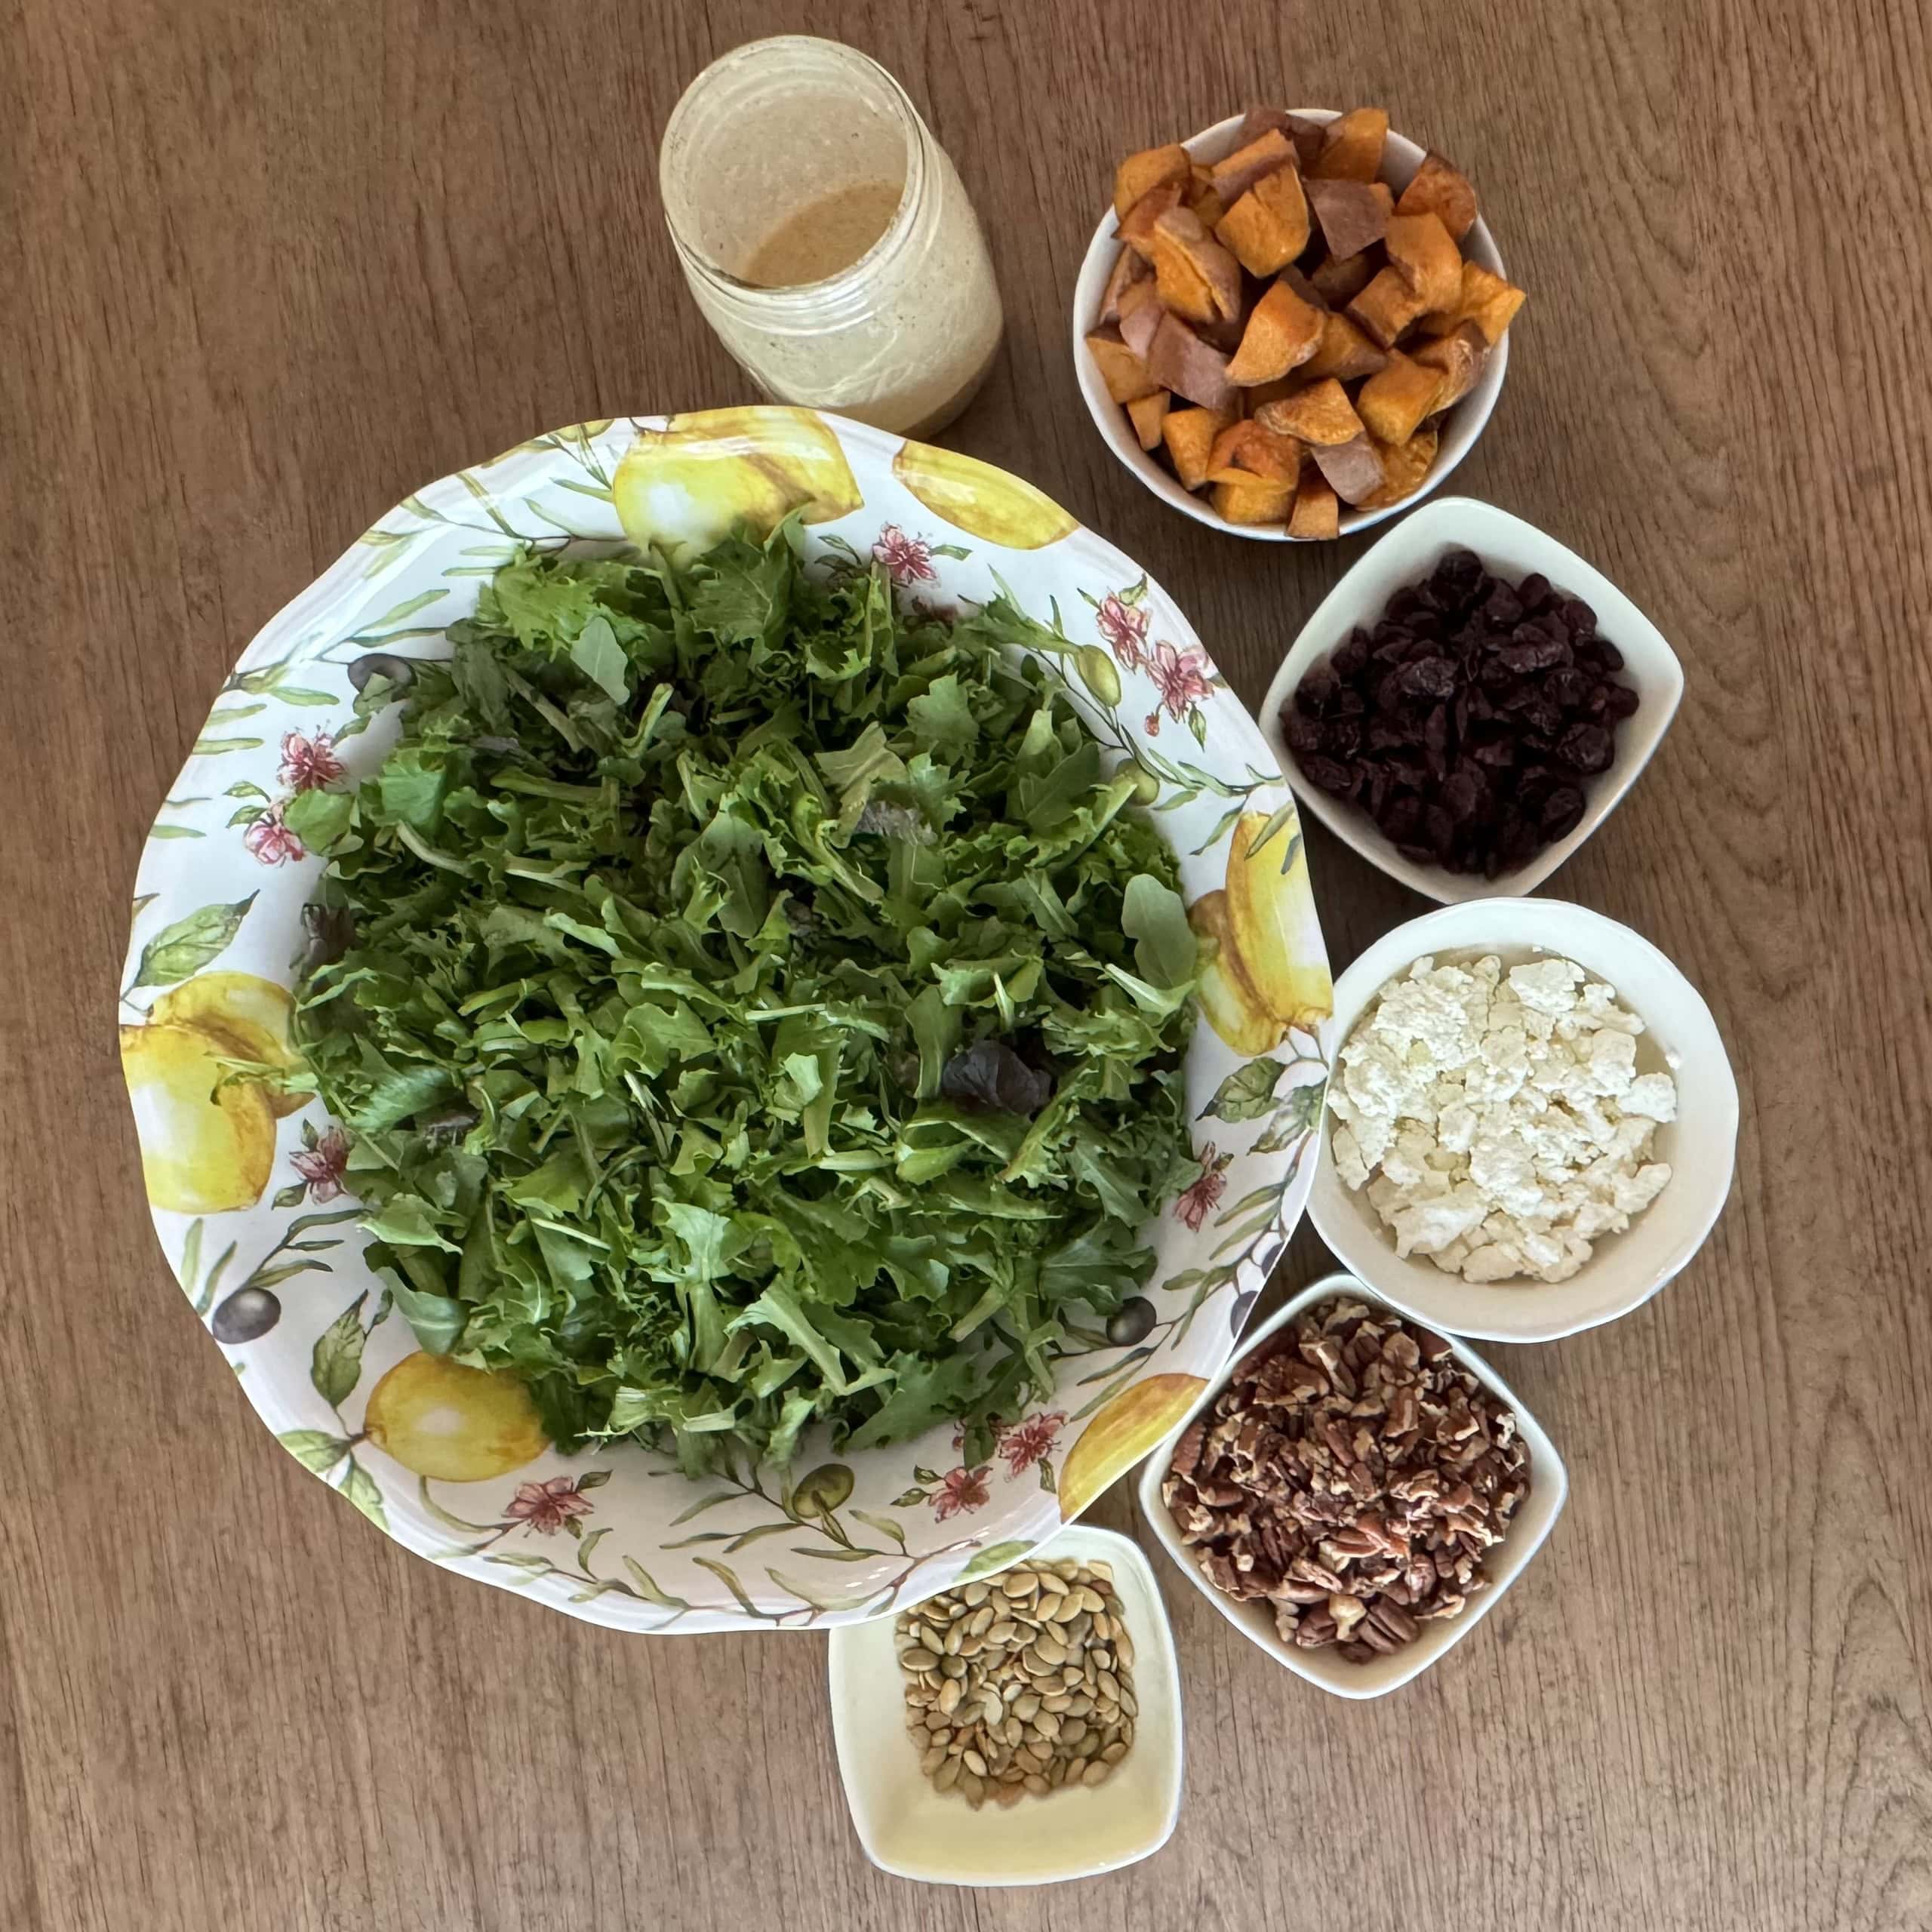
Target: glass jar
780 162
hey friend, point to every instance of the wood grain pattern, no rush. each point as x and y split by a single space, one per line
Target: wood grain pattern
269 268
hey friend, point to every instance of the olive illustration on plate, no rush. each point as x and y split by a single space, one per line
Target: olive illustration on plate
247 1315
1237 1314
400 672
823 1491
1132 1322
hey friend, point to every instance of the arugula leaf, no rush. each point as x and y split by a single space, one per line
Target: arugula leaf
755 1009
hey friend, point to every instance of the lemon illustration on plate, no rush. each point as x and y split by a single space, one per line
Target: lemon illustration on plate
1263 967
984 502
693 482
248 1016
441 1418
202 1152
1121 1431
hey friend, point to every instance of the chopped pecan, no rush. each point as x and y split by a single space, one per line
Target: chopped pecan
1352 1474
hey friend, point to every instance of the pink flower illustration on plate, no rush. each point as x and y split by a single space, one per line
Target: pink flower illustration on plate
1196 1202
546 1507
1181 677
1124 627
959 1489
323 1165
1025 1442
907 559
272 841
309 764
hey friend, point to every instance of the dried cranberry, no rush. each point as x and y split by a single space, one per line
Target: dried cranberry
1502 608
1351 704
1341 738
1561 812
1337 780
1534 590
1608 656
1499 753
1401 816
1579 620
1428 677
1304 733
1317 691
1532 651
1463 793
1353 656
1439 829
1587 748
1623 702
1567 686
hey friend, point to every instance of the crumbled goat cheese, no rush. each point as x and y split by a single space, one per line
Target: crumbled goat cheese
1497 1122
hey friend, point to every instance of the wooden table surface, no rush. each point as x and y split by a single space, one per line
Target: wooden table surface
267 268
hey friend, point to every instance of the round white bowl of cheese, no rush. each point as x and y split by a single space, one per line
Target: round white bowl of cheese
1679 1037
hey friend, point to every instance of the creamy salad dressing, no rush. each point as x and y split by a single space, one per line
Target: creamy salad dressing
836 252
824 236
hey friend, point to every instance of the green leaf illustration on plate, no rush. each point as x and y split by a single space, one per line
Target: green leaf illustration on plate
180 951
994 1556
1247 1093
315 1449
362 1489
337 1364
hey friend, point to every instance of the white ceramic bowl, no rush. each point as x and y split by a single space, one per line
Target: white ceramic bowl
1550 1484
268 1231
908 1828
1461 426
1681 1036
1511 548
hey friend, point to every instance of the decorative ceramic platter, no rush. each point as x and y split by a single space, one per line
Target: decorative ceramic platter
247 1186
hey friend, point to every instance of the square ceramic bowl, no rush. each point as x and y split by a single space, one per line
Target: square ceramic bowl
1460 426
1511 547
1680 1037
908 1828
1550 1484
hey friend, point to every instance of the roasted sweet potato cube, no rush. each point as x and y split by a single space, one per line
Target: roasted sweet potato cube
1276 457
1352 214
1353 469
1386 307
1238 172
1394 401
1427 253
1257 121
1460 356
1242 499
1137 227
1308 135
1405 468
1440 188
1178 359
1340 282
1139 174
1319 415
1343 352
1123 372
1148 413
1128 270
1206 206
1268 227
1189 436
1318 512
1197 276
1225 452
1252 399
1488 301
1282 332
1140 313
1352 146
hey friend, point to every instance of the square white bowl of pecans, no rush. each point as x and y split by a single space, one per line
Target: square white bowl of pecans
1425 1508
1112 1742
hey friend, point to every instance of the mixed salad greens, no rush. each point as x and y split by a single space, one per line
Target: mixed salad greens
751 1004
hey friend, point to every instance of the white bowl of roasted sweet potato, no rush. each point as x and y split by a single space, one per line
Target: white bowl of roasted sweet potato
1293 325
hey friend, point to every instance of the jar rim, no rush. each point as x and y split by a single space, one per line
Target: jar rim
843 283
